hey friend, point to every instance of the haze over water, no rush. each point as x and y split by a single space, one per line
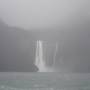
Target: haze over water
50 36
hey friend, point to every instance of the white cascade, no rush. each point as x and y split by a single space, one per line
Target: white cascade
40 57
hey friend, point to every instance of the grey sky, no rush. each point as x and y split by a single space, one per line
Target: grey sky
43 13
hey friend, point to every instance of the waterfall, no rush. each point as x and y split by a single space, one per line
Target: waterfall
40 57
56 50
40 62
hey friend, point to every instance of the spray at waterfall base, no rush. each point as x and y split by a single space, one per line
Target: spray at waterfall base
40 60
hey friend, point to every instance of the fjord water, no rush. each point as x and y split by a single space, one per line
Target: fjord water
44 81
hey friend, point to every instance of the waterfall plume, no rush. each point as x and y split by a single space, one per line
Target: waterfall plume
40 58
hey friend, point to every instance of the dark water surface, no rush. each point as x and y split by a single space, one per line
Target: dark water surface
44 81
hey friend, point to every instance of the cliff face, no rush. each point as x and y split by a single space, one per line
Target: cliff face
17 48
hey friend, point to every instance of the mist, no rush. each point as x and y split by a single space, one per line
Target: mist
65 22
33 14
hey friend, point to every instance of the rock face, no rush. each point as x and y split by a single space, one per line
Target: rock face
16 50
